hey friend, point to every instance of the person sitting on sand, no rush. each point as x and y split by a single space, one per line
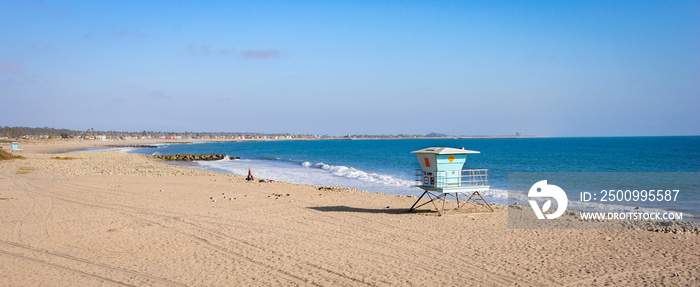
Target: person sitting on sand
250 175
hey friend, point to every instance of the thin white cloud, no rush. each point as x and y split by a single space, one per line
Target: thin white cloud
260 54
127 34
205 50
157 94
12 68
114 33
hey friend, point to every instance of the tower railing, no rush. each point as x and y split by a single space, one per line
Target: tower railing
452 178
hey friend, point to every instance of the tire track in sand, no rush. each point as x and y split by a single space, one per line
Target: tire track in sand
432 267
131 211
64 268
89 262
30 209
29 192
450 260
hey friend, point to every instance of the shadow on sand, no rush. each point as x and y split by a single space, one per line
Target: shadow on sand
340 208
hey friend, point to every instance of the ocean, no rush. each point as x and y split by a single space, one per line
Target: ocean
387 166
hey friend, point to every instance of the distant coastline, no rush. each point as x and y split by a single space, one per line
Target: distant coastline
10 133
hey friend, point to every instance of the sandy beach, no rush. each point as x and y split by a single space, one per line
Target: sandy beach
110 218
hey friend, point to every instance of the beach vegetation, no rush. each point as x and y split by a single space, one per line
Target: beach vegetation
62 158
6 155
24 170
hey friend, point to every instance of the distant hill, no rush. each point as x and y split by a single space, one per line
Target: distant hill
436 135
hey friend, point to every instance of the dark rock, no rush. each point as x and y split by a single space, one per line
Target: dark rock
190 157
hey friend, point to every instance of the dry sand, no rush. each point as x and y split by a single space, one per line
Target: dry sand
117 219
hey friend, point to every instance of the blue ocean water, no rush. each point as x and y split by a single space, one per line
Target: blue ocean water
387 166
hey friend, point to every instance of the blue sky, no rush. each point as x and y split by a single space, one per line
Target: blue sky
559 68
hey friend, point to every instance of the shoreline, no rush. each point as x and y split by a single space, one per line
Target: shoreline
104 218
74 145
695 218
110 216
664 226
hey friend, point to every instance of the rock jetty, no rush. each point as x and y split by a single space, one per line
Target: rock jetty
190 157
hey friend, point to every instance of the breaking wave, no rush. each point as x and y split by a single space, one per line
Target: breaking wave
352 173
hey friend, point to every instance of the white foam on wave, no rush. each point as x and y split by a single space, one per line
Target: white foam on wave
322 174
353 173
315 174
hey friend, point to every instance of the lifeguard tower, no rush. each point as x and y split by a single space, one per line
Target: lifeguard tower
441 174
